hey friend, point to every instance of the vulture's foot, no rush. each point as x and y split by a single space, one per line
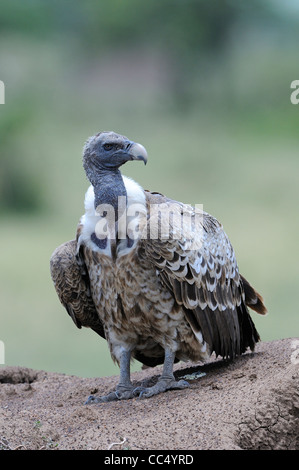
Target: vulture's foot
163 384
121 393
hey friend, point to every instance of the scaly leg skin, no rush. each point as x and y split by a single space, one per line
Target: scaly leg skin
121 393
124 390
165 382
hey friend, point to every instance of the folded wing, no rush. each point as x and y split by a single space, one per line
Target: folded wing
197 263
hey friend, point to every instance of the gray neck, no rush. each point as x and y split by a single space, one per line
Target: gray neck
108 187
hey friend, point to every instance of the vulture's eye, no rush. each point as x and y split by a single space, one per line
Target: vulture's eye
108 146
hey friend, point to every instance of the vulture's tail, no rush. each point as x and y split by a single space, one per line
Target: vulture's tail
248 333
253 299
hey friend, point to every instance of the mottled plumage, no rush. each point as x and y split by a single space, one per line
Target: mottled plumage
157 278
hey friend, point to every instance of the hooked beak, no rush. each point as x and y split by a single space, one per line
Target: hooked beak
137 152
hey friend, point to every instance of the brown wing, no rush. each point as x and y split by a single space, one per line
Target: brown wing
71 282
200 269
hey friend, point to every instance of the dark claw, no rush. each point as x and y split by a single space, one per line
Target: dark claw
141 393
185 383
89 400
138 391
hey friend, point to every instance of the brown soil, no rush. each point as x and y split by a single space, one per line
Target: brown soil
251 403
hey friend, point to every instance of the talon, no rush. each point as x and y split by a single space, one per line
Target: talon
138 391
184 383
89 399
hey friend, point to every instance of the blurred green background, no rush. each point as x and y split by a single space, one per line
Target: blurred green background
204 86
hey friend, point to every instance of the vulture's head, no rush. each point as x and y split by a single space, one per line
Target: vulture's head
108 151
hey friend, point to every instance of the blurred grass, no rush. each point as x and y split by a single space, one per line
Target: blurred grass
236 153
255 198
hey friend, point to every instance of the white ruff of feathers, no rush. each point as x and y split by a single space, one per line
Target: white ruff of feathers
136 207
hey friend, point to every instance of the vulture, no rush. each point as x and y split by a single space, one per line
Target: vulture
158 279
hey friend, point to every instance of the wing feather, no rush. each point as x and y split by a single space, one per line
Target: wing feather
71 282
200 269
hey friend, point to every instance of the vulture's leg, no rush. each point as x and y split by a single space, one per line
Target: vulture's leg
124 389
166 381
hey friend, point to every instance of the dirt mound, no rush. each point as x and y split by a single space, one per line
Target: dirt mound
251 403
274 421
17 375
